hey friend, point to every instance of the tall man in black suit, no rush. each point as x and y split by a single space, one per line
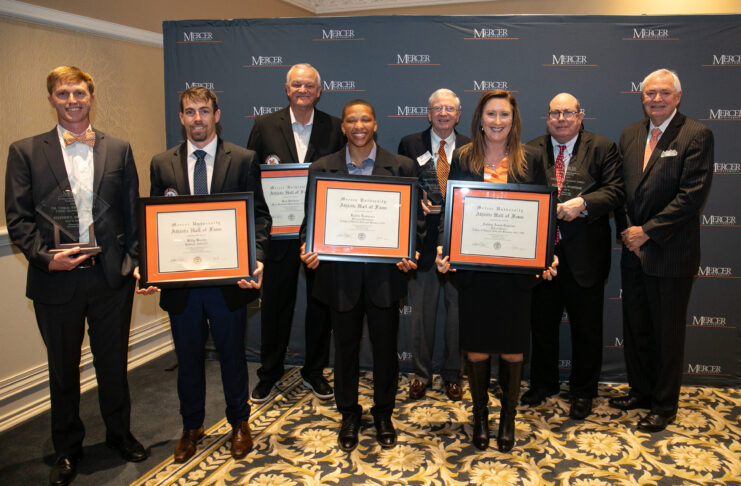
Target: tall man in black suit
298 133
433 150
667 167
206 164
357 290
67 287
586 169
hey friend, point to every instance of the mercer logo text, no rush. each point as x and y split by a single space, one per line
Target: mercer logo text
490 33
198 36
267 60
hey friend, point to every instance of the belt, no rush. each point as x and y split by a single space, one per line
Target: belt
90 262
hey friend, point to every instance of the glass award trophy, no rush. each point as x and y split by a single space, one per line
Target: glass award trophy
60 209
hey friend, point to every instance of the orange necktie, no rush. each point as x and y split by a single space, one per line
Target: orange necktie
88 138
651 145
442 168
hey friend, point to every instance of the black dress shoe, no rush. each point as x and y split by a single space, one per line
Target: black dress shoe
128 447
580 408
655 422
385 433
629 402
347 439
64 470
535 396
262 391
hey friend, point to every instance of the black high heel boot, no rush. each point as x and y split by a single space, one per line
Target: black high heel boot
479 375
509 379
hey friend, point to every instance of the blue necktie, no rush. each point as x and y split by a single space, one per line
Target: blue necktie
200 179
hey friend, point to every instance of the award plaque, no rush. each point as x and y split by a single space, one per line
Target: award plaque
434 208
189 241
575 184
284 188
60 209
499 227
361 218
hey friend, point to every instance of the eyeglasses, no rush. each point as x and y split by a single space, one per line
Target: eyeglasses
567 115
447 109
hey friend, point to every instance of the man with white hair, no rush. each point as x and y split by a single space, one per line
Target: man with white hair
298 133
432 149
667 168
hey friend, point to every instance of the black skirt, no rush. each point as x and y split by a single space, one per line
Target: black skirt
494 311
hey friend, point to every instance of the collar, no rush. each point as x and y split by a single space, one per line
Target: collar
663 126
293 118
435 140
371 155
61 130
210 149
569 145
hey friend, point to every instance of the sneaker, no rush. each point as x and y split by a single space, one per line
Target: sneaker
320 387
262 391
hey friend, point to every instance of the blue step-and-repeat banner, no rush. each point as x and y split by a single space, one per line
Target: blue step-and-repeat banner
396 62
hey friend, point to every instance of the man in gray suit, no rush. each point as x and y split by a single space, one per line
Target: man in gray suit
667 168
433 150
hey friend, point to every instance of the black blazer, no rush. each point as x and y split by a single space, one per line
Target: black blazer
413 146
35 169
235 170
666 198
339 283
533 174
272 135
586 242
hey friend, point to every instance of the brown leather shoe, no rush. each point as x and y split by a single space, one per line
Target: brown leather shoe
417 389
186 446
241 440
453 391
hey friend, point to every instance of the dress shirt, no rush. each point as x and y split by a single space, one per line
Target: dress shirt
301 134
661 127
435 144
566 153
78 161
366 168
210 150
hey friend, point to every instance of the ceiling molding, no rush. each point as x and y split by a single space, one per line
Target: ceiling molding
66 20
340 6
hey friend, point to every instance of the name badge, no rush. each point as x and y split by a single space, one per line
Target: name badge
424 158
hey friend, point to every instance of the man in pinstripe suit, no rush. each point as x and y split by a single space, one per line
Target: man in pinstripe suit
667 167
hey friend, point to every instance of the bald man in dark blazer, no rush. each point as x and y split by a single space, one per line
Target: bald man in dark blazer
667 168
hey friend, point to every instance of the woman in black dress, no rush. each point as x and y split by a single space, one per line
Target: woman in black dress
494 308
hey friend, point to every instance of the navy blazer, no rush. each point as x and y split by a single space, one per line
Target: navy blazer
666 198
235 170
35 170
339 283
587 242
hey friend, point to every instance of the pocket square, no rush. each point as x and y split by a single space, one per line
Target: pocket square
669 153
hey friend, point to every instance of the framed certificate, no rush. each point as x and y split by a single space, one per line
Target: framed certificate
196 241
284 188
361 218
499 227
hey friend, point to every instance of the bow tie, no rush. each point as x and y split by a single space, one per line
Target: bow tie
88 138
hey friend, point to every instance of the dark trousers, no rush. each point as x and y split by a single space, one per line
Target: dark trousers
207 308
278 304
108 314
383 328
654 324
584 306
424 292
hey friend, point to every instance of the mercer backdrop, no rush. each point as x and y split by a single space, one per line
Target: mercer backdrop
396 62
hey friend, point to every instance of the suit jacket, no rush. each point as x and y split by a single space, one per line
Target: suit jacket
586 242
235 170
35 170
667 197
339 284
413 146
533 174
272 135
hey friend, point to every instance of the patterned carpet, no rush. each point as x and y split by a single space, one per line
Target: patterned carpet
296 444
